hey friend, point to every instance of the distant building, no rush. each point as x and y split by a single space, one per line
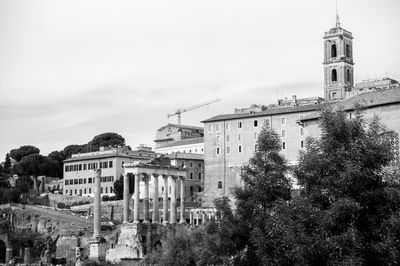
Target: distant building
79 169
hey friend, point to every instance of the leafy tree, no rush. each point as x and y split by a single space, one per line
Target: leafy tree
107 140
119 188
21 152
7 164
72 149
345 214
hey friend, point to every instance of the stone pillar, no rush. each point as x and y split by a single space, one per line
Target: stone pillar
156 216
203 218
191 217
97 205
146 200
27 256
182 218
136 200
165 200
126 198
173 200
9 254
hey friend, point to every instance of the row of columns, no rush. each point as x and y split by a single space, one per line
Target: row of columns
146 203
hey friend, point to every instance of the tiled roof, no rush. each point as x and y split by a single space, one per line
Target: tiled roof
283 110
184 142
366 100
183 155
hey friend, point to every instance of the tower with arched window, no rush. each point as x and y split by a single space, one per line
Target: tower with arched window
338 63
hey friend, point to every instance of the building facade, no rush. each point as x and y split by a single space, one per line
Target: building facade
171 133
230 139
79 170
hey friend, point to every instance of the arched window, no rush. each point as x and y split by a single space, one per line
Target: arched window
348 75
333 50
334 75
348 50
219 185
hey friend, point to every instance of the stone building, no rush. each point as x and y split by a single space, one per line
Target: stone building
79 169
230 139
172 133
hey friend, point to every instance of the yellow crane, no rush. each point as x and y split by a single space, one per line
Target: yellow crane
182 110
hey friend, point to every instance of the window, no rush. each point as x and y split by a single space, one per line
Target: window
76 191
66 182
90 190
219 185
255 123
348 50
228 138
199 189
283 133
199 164
101 190
66 168
84 181
210 129
191 175
122 164
216 127
84 167
254 135
301 131
302 144
334 95
334 75
228 149
239 137
240 148
75 181
80 167
333 50
110 163
283 145
239 124
348 75
218 139
267 123
111 190
218 151
228 126
283 120
191 164
90 180
106 189
199 175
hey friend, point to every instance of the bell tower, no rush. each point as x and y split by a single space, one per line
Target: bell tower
338 63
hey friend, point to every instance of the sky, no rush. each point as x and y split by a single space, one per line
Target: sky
70 70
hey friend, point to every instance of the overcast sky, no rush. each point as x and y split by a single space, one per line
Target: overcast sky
70 70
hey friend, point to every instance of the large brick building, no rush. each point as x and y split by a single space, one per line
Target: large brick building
230 139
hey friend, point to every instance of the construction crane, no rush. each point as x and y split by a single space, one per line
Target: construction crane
180 111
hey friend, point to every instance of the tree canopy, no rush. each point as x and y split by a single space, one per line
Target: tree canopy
21 152
107 139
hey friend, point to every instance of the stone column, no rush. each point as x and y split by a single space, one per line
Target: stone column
9 254
165 200
27 256
191 217
155 216
126 198
173 200
182 218
97 205
146 199
136 200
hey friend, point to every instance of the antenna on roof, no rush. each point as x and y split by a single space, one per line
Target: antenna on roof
337 17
